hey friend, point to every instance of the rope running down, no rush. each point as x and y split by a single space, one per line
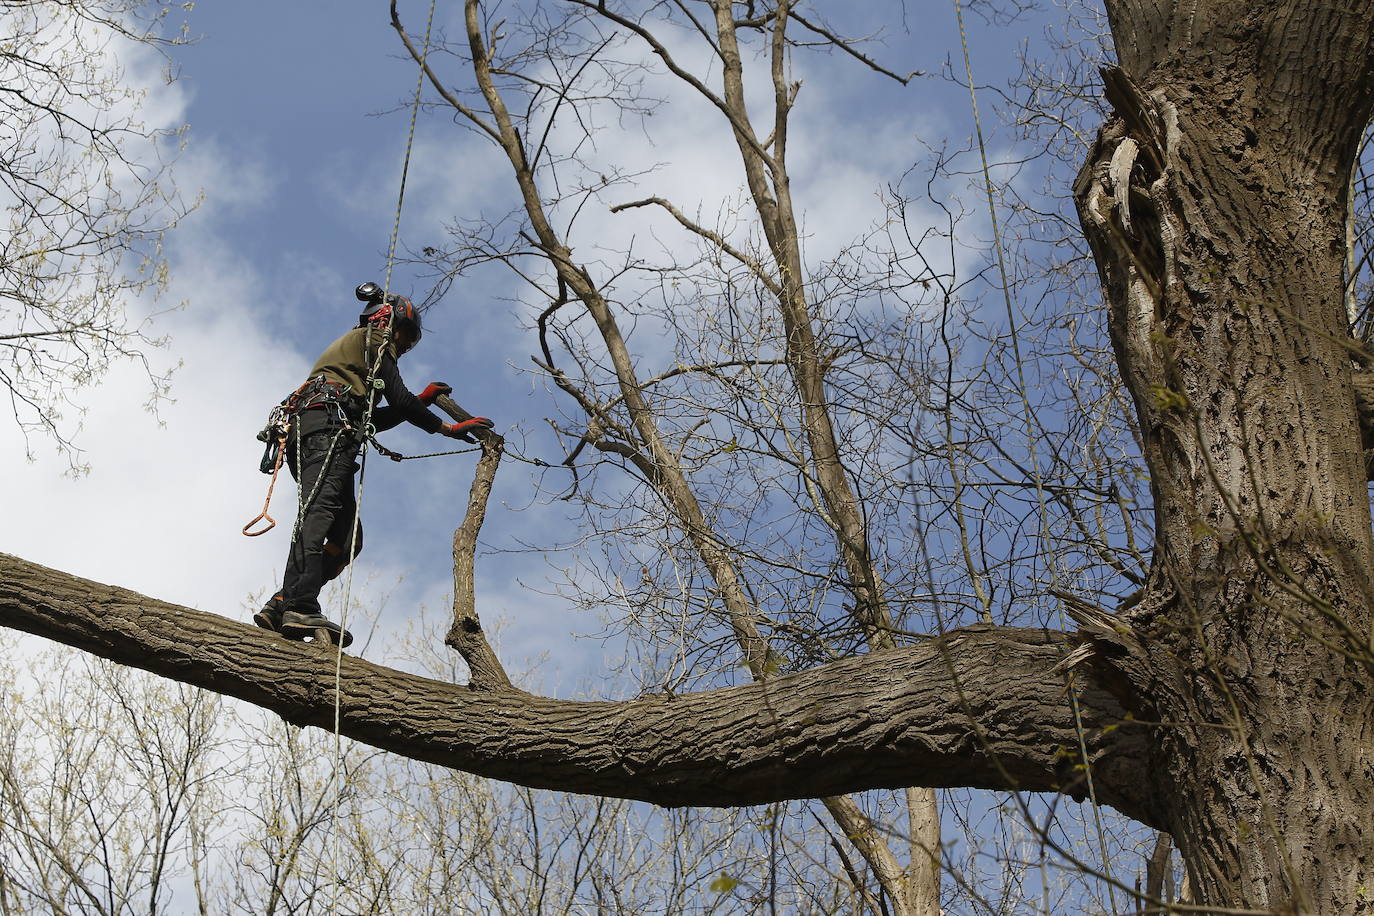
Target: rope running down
362 470
1030 436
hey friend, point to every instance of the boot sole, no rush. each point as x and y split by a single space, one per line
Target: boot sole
301 633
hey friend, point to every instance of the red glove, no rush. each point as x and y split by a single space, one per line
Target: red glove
464 429
432 391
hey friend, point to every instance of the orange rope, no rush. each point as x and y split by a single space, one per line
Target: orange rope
261 516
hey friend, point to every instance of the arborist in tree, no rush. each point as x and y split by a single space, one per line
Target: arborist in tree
319 431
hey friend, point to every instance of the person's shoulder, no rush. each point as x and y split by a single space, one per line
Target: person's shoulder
346 337
380 342
366 342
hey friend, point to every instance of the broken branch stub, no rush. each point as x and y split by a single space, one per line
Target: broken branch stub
466 634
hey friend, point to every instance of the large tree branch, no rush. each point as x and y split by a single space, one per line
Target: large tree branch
980 707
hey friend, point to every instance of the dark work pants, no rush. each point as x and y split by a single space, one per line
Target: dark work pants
324 542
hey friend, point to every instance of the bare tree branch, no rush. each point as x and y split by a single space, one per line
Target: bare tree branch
715 238
888 719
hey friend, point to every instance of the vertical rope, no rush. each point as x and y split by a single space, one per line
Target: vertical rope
1029 415
374 362
410 142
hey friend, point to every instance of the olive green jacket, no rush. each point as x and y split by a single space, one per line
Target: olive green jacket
346 362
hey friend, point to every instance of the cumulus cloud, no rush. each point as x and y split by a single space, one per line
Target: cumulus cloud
167 492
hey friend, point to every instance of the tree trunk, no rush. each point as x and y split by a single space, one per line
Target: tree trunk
1214 202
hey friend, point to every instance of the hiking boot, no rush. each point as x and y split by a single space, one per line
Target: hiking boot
269 618
298 625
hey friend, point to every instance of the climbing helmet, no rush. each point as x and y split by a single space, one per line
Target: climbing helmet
380 308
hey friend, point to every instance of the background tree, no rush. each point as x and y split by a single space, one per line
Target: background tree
743 400
87 199
1223 701
109 786
234 811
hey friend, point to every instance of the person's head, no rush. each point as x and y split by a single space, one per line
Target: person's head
390 310
405 324
405 337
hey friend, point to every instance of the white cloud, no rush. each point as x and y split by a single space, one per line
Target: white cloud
131 520
161 508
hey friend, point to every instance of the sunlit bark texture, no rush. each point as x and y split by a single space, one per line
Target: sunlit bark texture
1215 203
982 706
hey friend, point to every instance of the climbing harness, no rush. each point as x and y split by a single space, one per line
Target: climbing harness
321 392
315 392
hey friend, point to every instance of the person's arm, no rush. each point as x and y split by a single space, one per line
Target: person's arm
386 416
401 404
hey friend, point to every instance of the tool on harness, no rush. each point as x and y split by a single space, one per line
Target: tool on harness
273 435
316 392
276 448
271 453
383 450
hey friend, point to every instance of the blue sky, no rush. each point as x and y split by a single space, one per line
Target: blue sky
297 126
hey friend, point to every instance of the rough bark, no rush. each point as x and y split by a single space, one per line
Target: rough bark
981 707
1214 203
466 634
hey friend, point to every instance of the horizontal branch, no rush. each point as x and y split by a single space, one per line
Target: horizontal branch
980 707
715 238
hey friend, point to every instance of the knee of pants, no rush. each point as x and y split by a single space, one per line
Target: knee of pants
336 559
339 535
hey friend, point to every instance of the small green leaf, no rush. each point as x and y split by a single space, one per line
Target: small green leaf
724 884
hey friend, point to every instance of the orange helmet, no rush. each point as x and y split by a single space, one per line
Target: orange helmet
398 310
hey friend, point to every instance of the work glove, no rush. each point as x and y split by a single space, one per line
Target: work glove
432 391
463 430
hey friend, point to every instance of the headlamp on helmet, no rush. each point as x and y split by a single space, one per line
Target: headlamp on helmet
381 308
